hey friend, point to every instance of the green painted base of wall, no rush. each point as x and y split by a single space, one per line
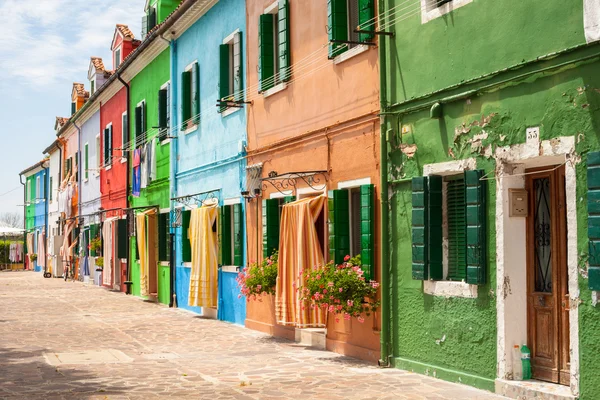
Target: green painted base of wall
135 278
444 373
164 284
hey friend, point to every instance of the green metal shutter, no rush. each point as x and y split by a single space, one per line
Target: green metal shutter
87 166
186 246
162 109
366 11
238 70
105 146
151 19
457 230
186 105
266 65
122 238
143 119
339 225
593 201
289 199
434 229
73 108
476 227
238 235
138 123
226 236
420 248
195 98
163 237
93 235
337 21
367 230
224 90
110 144
144 26
284 41
270 226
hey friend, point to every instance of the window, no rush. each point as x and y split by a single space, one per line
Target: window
140 123
73 107
163 237
122 238
231 243
124 133
190 96
149 21
448 227
351 225
38 188
108 145
50 189
87 161
92 86
230 70
164 112
98 158
344 17
117 58
436 8
186 247
274 46
271 217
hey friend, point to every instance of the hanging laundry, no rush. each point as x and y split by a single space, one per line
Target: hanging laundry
203 277
153 159
144 166
136 173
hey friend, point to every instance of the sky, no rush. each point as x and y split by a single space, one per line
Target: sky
45 46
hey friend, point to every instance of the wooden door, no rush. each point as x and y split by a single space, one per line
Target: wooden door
547 283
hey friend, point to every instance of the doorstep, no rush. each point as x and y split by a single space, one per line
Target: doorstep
311 337
533 389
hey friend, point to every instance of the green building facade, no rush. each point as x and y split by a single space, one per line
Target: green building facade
491 120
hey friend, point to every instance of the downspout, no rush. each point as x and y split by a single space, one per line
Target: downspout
384 360
127 89
173 171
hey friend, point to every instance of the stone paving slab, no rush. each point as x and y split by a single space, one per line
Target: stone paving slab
141 350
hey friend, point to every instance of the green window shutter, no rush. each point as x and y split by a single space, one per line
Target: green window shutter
593 201
138 123
163 237
143 118
226 236
420 248
339 225
224 71
110 144
476 227
284 41
186 246
289 199
144 26
238 237
122 238
105 152
87 159
238 70
367 230
93 235
270 226
266 64
434 229
73 108
366 11
151 19
186 106
162 109
457 230
195 90
337 25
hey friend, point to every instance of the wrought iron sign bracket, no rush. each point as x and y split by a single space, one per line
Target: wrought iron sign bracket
352 42
285 183
197 198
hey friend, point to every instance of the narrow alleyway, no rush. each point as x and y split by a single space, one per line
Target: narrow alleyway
66 340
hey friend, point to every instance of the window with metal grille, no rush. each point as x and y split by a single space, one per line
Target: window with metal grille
456 228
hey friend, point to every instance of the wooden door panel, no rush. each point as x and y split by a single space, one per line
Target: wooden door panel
543 348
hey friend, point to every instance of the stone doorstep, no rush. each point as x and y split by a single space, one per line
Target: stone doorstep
109 356
311 337
524 390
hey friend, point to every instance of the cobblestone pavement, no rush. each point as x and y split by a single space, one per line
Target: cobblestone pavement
67 340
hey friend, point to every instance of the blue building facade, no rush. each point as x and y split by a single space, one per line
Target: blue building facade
207 64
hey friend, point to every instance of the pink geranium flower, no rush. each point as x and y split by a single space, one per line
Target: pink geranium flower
341 290
347 258
330 284
360 319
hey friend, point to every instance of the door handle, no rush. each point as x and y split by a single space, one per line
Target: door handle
566 303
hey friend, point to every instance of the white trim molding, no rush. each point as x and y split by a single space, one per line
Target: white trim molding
450 289
354 183
280 87
353 52
229 202
430 10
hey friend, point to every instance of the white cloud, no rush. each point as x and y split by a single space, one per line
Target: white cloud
44 43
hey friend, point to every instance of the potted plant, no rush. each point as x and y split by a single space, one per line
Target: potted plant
33 257
258 278
340 289
95 245
99 263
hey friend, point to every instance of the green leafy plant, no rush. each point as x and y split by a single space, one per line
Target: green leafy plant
33 257
99 261
340 289
259 278
96 244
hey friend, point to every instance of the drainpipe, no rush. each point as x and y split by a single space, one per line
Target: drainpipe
384 205
173 173
127 91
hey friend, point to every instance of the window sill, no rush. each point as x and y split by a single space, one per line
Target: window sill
108 168
275 89
123 160
167 141
230 111
187 264
191 129
85 180
230 268
361 48
163 263
450 289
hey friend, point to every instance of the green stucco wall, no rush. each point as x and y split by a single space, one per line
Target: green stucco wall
444 60
164 8
30 208
145 86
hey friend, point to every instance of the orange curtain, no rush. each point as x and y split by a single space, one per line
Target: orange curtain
299 249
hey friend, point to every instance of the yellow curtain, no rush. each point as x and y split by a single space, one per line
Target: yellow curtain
140 220
299 249
203 277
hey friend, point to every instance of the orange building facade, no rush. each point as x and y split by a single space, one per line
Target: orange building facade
313 128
